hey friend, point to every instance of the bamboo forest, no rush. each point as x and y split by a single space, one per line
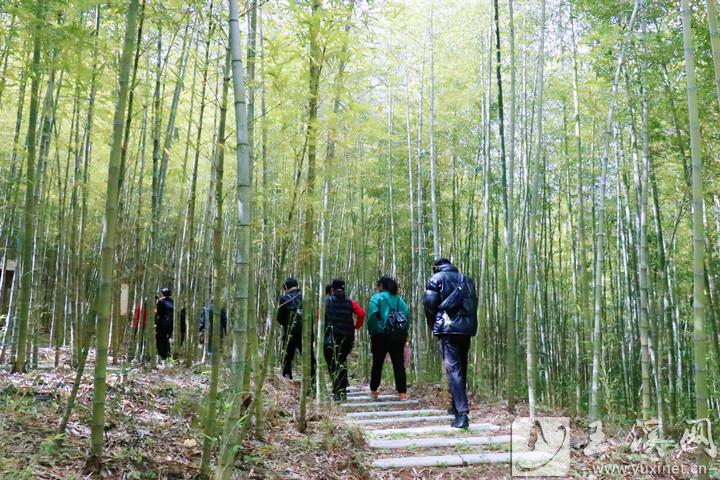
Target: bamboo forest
460 239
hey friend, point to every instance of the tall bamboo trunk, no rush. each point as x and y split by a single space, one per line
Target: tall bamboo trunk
155 219
233 426
108 243
167 146
218 281
582 263
712 18
26 242
508 174
253 359
699 337
241 254
641 185
600 231
192 193
306 252
416 324
433 173
533 174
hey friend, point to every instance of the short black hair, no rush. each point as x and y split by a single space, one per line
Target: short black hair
166 292
388 283
338 284
328 289
289 283
440 261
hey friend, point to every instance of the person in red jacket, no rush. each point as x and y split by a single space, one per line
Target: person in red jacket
138 309
357 310
359 314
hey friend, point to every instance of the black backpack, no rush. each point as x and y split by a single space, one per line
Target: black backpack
396 323
463 298
295 315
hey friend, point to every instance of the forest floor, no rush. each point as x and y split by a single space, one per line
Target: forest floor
155 422
154 428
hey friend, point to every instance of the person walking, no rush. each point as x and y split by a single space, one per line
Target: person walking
450 303
289 315
206 325
340 335
164 324
387 321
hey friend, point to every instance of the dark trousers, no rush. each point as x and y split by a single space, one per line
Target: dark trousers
163 332
454 350
380 346
293 342
336 353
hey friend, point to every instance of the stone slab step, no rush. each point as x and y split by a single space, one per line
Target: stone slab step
439 442
395 413
382 420
353 398
458 460
379 403
474 427
351 389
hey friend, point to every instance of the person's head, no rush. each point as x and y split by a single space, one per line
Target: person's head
387 284
328 289
439 263
290 283
166 292
337 284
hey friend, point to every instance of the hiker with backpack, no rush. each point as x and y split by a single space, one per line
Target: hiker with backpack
451 311
388 327
289 315
340 335
206 325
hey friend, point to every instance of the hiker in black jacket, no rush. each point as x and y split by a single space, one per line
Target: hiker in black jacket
289 315
206 323
451 311
164 324
339 337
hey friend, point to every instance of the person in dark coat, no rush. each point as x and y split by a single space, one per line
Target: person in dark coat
206 321
340 335
450 303
289 315
164 323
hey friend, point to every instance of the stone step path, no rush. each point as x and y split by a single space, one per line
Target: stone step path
356 397
463 459
396 413
439 442
474 427
385 420
379 403
392 425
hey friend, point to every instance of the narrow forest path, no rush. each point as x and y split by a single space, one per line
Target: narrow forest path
413 437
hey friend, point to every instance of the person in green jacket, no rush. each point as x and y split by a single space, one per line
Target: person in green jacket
388 324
